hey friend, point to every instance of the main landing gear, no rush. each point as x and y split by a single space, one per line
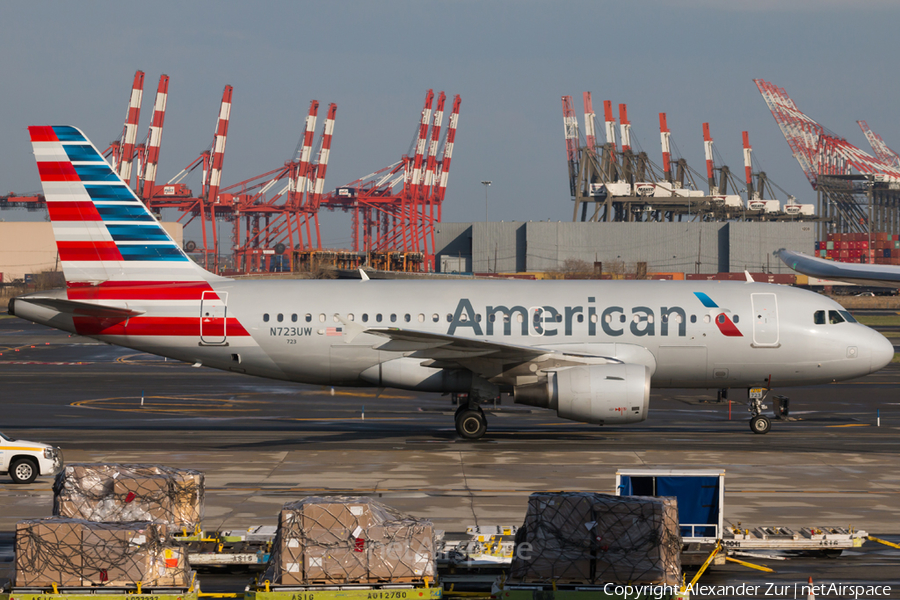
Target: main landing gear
471 423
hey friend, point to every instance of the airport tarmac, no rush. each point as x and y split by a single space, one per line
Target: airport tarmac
263 443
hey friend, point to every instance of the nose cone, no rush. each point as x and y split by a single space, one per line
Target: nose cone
882 352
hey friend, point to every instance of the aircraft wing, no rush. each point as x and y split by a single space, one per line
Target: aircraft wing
866 274
440 346
497 362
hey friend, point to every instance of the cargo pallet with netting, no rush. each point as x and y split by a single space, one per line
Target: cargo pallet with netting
344 542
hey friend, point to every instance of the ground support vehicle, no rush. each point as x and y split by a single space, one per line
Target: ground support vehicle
701 515
345 592
24 461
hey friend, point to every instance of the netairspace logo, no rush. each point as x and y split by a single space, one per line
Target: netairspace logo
794 591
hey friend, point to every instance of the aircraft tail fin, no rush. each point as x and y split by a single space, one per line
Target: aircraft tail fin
104 233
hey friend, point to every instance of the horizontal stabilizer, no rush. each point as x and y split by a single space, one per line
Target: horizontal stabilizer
82 309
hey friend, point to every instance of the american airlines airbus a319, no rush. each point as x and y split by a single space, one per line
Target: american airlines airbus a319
590 350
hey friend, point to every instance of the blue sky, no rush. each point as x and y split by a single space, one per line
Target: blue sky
72 63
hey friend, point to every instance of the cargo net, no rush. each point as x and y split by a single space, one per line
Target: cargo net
72 553
124 493
350 540
586 538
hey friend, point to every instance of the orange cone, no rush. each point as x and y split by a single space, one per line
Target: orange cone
810 595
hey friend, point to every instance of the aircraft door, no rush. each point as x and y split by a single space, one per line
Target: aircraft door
765 320
213 315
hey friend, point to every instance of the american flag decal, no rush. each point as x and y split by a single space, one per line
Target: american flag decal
334 331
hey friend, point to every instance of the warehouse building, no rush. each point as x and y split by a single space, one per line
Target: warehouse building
717 247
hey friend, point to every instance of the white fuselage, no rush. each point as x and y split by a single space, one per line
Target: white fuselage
314 331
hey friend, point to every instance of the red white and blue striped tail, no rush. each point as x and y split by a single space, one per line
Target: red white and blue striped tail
104 233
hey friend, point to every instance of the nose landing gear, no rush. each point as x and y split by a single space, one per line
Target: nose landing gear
758 422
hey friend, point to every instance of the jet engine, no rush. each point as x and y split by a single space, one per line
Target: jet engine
601 394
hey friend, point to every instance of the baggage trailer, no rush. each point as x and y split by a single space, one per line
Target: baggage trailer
701 515
99 593
345 592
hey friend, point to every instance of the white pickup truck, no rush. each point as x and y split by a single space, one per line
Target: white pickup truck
23 461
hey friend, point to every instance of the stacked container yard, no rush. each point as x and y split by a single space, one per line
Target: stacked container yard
878 248
112 528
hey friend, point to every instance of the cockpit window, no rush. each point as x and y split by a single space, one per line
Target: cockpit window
849 318
819 317
834 317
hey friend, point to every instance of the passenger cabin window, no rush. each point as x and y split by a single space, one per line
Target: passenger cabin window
365 317
407 318
435 317
321 317
421 318
393 318
266 318
819 317
378 317
280 317
835 317
736 318
293 318
308 317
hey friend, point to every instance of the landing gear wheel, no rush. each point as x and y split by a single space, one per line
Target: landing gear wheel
760 424
23 470
471 424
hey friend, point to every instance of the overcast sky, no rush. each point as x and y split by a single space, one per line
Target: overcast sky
73 63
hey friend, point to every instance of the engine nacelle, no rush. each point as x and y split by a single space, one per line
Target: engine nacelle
600 394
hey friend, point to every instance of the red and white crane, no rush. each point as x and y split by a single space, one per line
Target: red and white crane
664 135
610 127
302 176
443 166
132 120
590 126
748 166
147 170
818 150
433 144
570 129
625 128
388 217
710 167
879 147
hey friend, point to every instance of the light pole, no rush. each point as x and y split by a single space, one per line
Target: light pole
486 185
